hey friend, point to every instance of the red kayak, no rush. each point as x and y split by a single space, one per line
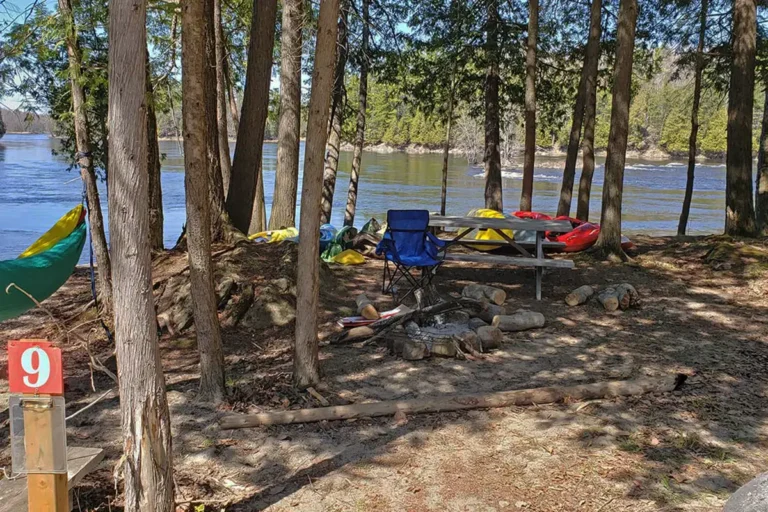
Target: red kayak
580 238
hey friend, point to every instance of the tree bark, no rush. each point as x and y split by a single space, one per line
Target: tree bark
220 224
246 166
590 106
225 160
154 171
526 197
289 125
569 171
338 106
85 159
357 156
493 190
234 112
199 158
739 208
306 370
761 183
148 463
692 139
446 154
609 242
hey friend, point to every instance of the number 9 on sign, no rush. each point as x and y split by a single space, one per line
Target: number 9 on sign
34 367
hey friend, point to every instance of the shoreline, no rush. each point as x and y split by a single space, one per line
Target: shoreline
651 154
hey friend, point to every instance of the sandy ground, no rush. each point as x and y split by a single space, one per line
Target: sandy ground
703 313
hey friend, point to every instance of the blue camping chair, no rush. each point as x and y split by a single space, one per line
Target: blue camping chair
408 245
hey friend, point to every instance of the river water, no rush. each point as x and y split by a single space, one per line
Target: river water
36 189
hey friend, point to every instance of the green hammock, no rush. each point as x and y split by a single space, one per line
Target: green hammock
40 274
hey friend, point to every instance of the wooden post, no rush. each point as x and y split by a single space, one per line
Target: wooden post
35 373
539 270
47 492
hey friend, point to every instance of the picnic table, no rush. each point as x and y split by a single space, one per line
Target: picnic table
463 226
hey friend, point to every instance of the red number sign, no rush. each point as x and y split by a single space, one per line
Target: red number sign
34 366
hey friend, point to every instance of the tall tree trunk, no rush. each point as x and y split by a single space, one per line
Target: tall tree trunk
530 106
153 171
590 106
608 243
683 224
246 166
196 59
447 145
337 119
492 159
357 156
569 172
234 112
259 214
289 125
148 457
85 159
220 225
446 153
761 183
221 95
739 209
306 371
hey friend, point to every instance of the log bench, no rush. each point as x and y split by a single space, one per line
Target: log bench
80 462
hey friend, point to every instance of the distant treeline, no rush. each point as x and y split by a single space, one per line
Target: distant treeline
18 121
659 120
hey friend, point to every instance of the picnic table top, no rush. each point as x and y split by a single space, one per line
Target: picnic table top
558 226
80 461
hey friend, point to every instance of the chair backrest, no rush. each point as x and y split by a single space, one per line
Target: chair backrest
408 229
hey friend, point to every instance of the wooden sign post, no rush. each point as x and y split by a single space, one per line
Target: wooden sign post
35 372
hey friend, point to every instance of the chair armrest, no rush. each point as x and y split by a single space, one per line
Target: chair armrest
439 242
435 246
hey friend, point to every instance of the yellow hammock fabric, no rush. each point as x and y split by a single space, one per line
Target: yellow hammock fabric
61 230
488 234
349 257
277 235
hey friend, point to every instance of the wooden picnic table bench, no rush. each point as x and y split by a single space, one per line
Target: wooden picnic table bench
80 462
466 225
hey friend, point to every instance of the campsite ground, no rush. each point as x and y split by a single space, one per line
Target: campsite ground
704 312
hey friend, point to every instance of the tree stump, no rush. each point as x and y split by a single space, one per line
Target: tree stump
490 337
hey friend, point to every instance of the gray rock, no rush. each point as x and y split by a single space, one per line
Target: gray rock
414 350
476 323
752 497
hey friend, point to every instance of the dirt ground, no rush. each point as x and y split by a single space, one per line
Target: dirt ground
703 313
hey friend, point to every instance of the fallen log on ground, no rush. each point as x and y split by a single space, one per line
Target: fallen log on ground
365 307
627 294
520 321
609 298
520 397
483 292
580 295
486 312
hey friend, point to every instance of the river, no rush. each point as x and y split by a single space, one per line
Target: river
36 189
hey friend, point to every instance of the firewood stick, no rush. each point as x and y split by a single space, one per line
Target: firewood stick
519 397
